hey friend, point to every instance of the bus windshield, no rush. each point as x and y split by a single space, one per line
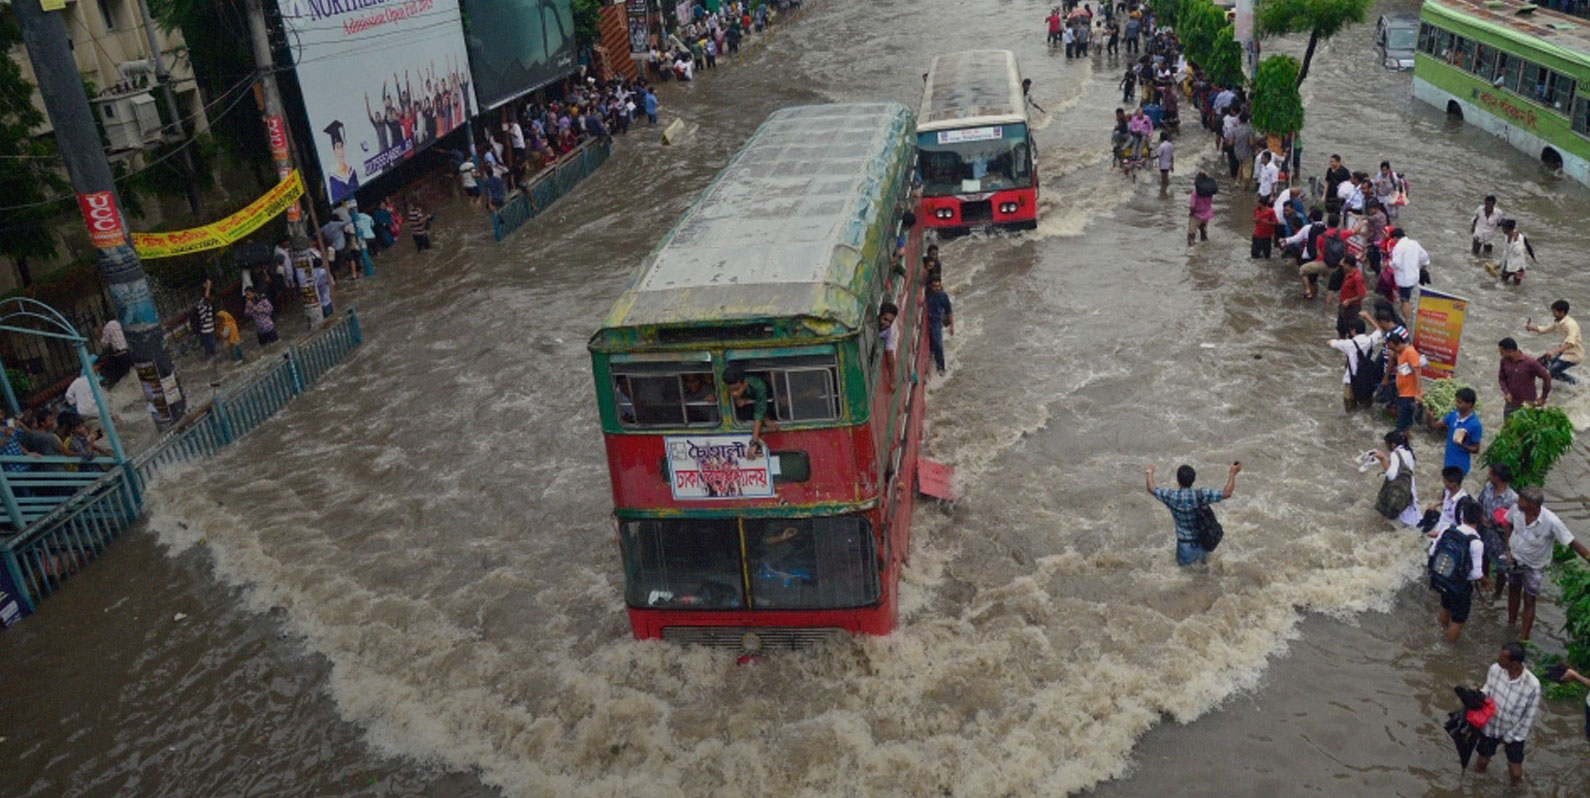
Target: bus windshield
793 563
971 160
1400 38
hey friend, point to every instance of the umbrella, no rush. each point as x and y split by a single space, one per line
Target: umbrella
1464 736
1464 724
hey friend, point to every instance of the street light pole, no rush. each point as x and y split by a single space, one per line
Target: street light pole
44 34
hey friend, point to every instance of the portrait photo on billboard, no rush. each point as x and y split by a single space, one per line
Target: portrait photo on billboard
381 80
517 45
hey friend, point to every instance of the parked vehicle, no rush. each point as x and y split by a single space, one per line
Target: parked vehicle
1397 35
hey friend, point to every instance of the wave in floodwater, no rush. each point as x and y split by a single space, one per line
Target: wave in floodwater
434 518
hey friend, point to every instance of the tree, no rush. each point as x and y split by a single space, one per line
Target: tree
1277 105
29 166
587 21
1223 65
219 70
1321 19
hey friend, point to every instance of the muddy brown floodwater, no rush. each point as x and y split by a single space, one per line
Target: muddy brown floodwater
406 584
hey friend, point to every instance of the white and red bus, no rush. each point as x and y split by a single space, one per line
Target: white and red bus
777 272
975 152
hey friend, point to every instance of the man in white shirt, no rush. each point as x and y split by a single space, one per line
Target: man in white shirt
1483 226
1281 202
1457 596
1351 193
1407 258
1359 349
79 397
1535 529
1267 173
1516 693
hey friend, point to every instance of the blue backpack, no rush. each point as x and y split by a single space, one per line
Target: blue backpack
1450 563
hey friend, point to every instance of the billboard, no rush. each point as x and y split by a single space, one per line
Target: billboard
518 45
381 79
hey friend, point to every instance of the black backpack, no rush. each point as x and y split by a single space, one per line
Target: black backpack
1334 249
1210 533
1206 186
1366 378
1450 563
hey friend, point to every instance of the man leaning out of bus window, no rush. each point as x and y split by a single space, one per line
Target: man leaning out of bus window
748 390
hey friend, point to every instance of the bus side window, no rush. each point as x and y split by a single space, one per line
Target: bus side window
801 388
668 395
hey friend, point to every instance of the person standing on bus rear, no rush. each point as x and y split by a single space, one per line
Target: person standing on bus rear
747 390
940 317
889 337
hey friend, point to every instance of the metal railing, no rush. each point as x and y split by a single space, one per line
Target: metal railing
545 188
73 515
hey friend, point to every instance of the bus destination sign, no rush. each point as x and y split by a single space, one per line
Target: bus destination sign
717 467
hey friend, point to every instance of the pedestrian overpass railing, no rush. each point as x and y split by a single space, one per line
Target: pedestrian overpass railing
544 189
74 507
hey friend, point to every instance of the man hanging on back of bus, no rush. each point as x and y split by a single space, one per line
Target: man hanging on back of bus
1184 503
744 390
940 317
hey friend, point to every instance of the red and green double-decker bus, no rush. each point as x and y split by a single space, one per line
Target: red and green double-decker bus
778 272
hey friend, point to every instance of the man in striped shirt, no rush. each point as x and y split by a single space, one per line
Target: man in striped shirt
1516 692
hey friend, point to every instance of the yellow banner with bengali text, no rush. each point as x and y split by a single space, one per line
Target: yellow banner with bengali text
222 232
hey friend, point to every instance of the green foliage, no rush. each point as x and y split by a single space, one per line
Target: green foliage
1167 12
1440 397
587 19
1223 65
27 164
1320 19
1574 580
1277 105
21 386
221 56
1530 442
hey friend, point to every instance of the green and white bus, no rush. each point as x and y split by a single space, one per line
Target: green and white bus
1512 69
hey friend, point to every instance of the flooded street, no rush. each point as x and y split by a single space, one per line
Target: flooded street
407 583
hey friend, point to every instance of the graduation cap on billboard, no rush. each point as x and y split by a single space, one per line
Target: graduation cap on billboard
334 130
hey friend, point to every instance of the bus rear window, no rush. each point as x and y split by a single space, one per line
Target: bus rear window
683 564
800 388
665 395
811 563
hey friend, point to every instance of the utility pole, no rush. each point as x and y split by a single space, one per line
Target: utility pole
275 124
164 79
44 34
278 136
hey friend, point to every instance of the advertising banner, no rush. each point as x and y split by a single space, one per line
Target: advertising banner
382 79
637 16
221 232
1437 332
105 226
518 45
717 467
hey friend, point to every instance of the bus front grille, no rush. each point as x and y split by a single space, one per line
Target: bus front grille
979 211
783 638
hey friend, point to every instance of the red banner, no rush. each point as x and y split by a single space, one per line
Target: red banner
277 135
105 226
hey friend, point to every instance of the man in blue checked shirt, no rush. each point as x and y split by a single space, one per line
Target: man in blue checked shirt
1184 501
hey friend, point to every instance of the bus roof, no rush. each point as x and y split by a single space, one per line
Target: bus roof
788 229
974 87
1548 28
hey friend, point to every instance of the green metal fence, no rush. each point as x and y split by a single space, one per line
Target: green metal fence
76 510
554 182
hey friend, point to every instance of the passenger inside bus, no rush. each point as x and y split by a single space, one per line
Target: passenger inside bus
701 399
751 392
824 562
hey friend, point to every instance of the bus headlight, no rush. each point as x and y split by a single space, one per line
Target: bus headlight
944 213
751 643
1007 207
